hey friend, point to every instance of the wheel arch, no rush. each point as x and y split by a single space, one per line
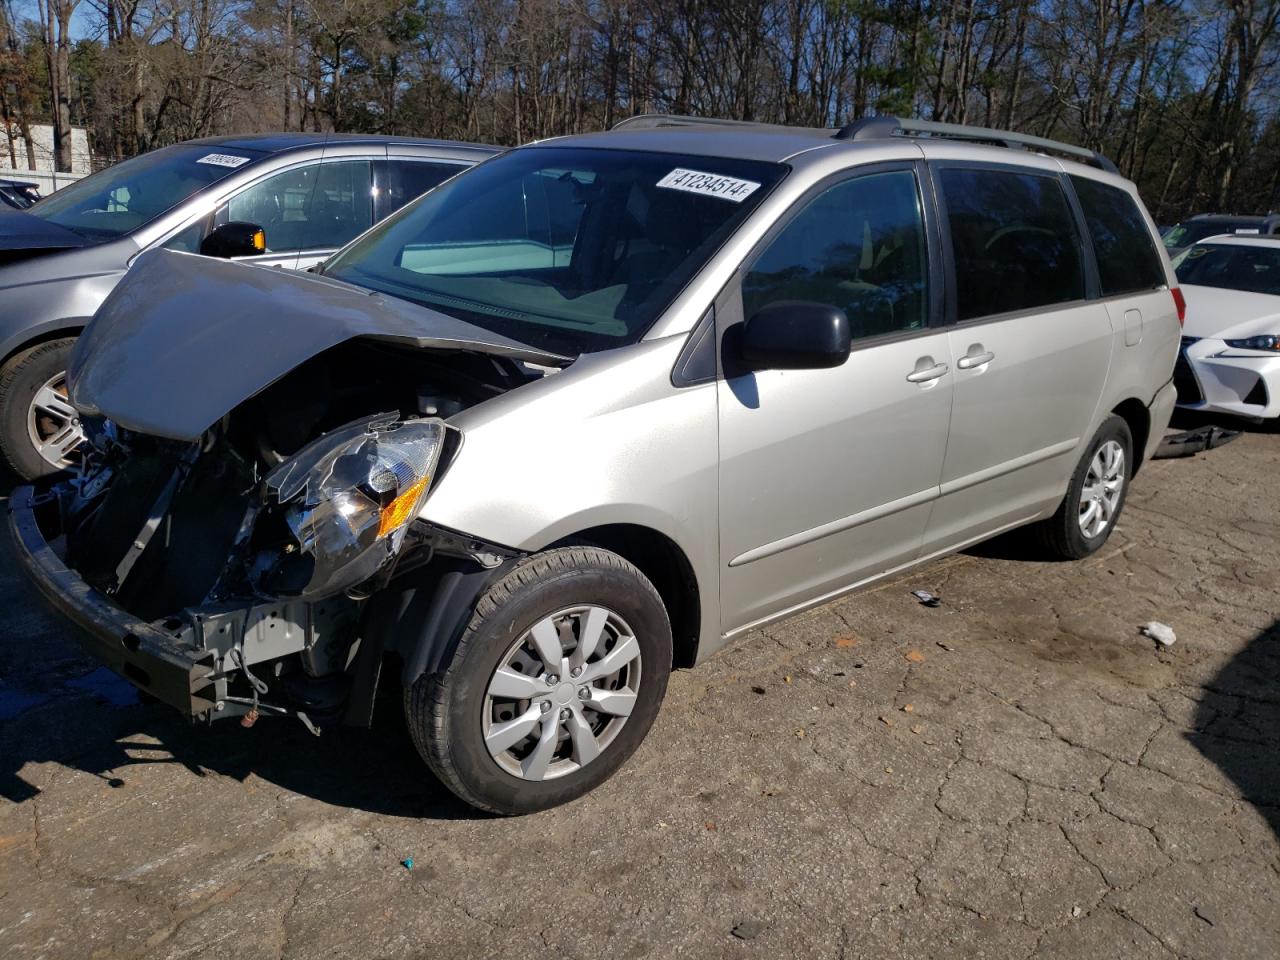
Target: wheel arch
1135 413
29 337
666 566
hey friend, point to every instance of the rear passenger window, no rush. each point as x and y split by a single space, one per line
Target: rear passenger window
1127 259
1013 239
409 179
860 247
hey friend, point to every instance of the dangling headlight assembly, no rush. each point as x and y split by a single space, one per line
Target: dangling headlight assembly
348 498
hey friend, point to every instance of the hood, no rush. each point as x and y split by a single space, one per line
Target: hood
1229 314
184 339
19 230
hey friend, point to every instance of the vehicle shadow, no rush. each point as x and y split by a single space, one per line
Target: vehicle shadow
1238 723
377 771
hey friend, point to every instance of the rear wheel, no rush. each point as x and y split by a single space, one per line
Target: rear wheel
40 431
554 684
1088 513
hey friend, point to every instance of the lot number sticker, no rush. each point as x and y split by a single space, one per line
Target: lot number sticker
224 160
709 184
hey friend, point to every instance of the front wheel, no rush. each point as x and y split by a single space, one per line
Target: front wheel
40 431
554 684
1095 496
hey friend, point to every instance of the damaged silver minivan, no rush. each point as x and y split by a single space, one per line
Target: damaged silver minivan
590 411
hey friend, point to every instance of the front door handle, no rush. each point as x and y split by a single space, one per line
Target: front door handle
972 359
923 374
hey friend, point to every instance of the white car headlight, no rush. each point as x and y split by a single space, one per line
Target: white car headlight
349 497
1267 342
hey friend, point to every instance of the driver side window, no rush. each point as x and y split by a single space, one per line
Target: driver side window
859 246
316 207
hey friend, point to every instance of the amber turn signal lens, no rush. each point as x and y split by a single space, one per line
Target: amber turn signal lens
396 513
259 241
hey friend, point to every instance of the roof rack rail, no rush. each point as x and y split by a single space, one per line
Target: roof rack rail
647 121
876 128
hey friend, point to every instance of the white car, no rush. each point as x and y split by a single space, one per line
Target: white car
1230 358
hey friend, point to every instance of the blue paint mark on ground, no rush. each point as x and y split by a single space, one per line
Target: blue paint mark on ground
107 686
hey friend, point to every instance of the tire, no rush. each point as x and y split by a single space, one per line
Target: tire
21 377
1063 535
449 712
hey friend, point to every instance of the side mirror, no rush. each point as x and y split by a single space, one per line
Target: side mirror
795 335
234 239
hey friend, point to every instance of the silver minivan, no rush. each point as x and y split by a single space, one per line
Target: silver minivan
589 412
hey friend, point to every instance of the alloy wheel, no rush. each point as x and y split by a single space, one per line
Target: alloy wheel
53 424
1103 485
561 693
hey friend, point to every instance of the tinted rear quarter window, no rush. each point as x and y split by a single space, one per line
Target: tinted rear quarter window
409 179
1013 240
1128 261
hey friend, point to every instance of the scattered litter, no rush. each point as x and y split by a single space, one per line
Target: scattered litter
710 825
1193 441
757 690
927 598
888 769
1205 915
853 683
886 721
407 863
908 708
914 656
917 728
748 929
787 678
1162 633
946 646
844 643
1076 911
800 732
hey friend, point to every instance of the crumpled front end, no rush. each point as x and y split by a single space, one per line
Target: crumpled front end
229 575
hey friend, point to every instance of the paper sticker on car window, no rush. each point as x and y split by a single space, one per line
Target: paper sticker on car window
1247 230
709 184
224 160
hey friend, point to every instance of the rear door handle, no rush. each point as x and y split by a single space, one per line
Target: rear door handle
971 360
925 374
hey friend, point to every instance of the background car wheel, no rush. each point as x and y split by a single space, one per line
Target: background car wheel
555 682
1089 511
39 429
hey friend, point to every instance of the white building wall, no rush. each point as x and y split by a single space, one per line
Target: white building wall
43 174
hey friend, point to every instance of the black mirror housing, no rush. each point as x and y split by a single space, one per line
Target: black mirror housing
795 335
234 239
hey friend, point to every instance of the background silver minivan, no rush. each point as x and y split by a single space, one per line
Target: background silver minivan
596 408
311 193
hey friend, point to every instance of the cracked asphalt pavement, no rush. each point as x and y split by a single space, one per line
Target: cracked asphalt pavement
1016 773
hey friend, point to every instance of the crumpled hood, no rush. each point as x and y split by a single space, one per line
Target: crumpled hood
19 230
1229 314
184 339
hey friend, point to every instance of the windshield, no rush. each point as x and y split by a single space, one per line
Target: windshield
124 197
1232 266
569 250
1185 234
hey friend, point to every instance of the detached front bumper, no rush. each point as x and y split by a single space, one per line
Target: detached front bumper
163 665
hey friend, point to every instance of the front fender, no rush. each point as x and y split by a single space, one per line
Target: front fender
607 441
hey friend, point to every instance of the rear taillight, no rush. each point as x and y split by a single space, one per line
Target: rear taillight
1180 303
